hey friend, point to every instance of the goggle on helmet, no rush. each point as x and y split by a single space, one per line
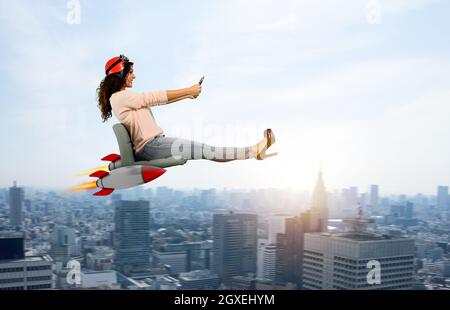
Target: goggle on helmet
116 65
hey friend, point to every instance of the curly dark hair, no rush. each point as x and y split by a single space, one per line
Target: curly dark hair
108 86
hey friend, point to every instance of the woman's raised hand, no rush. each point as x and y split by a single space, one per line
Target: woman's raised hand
196 89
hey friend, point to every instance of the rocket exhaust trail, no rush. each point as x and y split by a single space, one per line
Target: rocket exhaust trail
82 187
90 171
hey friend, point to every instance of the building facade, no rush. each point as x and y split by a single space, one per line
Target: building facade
20 272
442 197
235 242
131 235
290 244
199 280
346 261
16 201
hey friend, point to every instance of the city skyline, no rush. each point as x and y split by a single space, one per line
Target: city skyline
207 239
359 89
365 189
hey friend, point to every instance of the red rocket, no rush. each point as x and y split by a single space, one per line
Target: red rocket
123 177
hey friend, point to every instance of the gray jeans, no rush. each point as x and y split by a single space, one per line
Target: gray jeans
164 147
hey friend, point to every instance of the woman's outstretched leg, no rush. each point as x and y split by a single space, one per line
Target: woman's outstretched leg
193 150
164 147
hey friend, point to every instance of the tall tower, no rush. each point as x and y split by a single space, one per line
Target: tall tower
319 209
16 199
235 242
131 235
290 244
290 249
442 197
374 195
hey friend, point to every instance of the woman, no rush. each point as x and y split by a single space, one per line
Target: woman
149 142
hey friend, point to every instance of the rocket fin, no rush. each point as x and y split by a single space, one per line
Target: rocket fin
99 174
104 192
111 157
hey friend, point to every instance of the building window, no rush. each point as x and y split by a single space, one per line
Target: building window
13 269
39 287
34 268
41 278
14 288
14 280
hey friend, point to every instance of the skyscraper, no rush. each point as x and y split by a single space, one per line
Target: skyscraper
358 259
344 260
262 243
20 272
63 244
235 239
131 235
267 254
16 200
374 196
289 253
277 224
409 209
442 197
269 262
319 207
290 244
12 247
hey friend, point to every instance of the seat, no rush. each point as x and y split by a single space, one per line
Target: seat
127 154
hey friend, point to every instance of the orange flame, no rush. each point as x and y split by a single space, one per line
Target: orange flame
90 171
83 187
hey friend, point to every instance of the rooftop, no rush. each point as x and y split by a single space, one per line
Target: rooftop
197 275
363 236
359 236
41 258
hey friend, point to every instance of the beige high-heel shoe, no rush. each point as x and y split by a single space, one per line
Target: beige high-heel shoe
270 138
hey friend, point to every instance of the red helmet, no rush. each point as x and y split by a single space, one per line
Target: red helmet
116 65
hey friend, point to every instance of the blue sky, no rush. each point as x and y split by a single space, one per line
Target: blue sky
368 101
